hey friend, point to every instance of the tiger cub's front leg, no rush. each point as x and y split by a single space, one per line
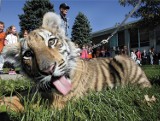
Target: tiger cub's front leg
12 103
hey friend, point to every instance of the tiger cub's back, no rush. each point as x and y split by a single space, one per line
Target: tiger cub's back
113 72
125 71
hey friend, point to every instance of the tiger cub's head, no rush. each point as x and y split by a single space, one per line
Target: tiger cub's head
46 54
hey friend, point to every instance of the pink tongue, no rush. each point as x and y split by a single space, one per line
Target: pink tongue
63 85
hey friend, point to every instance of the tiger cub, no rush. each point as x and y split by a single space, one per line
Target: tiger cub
52 61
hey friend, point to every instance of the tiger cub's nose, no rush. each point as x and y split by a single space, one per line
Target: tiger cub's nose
50 69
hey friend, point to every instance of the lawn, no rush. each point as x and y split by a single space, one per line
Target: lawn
121 104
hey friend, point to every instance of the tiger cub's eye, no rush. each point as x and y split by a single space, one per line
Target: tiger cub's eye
28 53
52 41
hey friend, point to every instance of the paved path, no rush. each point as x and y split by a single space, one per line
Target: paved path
11 77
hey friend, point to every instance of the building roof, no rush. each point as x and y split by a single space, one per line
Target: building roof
111 29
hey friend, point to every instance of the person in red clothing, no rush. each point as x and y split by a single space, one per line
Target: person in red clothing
138 53
139 58
2 36
2 39
84 52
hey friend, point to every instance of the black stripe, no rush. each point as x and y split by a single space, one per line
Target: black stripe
119 64
99 66
96 83
104 81
114 73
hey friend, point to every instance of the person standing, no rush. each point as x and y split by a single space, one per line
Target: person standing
90 51
84 52
144 57
25 35
133 55
103 52
11 35
2 39
63 13
11 38
2 36
138 53
151 52
139 57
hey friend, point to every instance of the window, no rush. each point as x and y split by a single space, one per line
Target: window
158 36
144 37
113 41
121 39
134 38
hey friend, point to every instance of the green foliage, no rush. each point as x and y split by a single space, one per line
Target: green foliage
33 14
149 11
121 104
81 30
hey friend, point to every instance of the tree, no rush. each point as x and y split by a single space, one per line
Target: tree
33 14
149 12
81 30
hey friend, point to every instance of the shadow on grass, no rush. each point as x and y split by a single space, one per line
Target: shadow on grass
155 81
4 116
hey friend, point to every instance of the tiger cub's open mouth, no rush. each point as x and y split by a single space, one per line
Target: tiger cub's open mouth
61 83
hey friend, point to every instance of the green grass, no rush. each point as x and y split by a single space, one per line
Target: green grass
8 86
121 104
152 72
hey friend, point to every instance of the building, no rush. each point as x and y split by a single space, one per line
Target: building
130 36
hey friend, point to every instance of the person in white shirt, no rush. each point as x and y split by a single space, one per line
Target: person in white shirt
133 55
11 35
11 38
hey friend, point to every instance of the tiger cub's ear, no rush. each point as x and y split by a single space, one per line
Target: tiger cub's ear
53 22
11 54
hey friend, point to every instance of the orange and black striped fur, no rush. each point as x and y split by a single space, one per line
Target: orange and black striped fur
53 62
99 73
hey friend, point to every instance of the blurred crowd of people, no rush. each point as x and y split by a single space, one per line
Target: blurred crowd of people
146 57
87 52
141 58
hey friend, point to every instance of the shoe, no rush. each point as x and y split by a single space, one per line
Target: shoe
12 72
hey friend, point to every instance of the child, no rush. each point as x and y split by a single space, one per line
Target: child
84 52
2 39
11 35
11 38
90 51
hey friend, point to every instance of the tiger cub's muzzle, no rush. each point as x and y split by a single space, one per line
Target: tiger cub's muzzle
50 69
59 78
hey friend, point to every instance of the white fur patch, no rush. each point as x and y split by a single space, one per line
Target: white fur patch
53 22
